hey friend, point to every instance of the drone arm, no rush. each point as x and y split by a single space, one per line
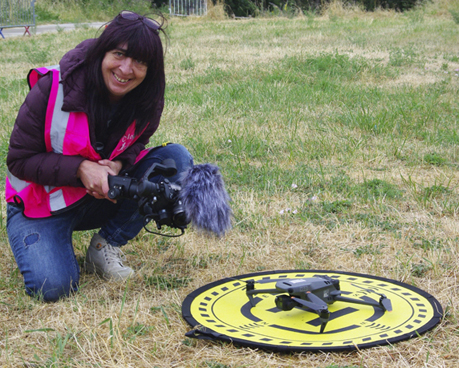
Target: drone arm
384 302
356 301
316 305
263 291
250 292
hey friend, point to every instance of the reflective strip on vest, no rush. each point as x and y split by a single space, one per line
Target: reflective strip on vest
16 183
59 122
57 201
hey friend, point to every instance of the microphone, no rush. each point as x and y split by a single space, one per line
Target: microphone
205 199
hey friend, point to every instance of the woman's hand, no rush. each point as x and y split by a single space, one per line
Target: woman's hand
94 176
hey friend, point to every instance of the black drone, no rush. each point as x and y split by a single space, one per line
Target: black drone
312 294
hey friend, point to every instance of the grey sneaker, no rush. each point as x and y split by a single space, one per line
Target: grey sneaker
106 260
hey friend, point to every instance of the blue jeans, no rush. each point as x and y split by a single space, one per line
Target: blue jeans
43 247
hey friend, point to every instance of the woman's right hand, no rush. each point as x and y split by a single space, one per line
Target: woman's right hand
94 176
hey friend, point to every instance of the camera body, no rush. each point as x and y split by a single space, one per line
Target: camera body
158 202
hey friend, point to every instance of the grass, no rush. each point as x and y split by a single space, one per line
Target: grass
337 137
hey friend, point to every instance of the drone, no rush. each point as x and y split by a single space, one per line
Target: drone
312 294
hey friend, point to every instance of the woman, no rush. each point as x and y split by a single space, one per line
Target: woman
86 119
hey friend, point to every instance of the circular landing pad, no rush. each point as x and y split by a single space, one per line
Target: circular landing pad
222 311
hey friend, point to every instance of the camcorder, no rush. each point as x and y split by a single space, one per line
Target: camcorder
200 198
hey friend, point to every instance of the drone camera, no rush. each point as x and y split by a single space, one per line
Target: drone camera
284 302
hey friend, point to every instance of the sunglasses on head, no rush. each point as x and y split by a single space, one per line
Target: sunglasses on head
150 23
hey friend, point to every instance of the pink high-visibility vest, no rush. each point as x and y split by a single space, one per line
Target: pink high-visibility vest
65 133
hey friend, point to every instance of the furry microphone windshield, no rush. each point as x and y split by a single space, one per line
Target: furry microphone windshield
205 199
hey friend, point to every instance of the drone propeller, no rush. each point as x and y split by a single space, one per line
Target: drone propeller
251 291
384 302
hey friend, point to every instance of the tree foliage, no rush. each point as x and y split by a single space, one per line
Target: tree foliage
244 8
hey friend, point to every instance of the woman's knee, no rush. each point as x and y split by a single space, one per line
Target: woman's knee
180 154
53 277
44 254
52 286
175 151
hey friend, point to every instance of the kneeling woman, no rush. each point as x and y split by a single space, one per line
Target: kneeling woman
83 120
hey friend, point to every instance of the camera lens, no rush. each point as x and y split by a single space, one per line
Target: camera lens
180 218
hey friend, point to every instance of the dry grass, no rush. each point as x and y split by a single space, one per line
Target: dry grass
139 324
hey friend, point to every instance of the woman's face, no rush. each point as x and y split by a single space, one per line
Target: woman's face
121 73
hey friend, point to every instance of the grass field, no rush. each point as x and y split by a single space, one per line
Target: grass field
338 139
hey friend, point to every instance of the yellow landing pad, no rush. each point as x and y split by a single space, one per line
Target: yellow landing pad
221 311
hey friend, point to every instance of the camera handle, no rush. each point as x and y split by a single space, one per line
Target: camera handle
167 169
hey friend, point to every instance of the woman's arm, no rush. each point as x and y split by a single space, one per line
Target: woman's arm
27 157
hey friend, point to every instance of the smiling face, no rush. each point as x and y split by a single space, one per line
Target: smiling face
122 73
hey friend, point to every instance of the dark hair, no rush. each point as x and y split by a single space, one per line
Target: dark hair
144 43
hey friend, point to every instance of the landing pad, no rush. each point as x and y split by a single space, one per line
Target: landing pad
221 311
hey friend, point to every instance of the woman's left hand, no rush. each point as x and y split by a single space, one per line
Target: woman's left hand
115 166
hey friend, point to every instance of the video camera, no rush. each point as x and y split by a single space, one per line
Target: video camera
157 201
201 198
